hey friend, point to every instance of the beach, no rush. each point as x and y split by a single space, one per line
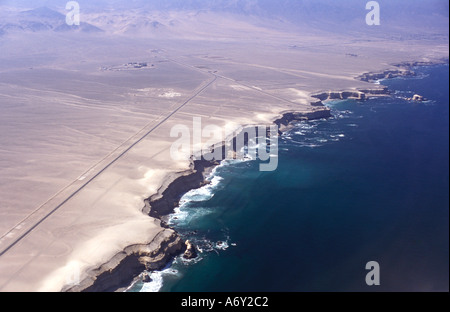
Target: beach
86 141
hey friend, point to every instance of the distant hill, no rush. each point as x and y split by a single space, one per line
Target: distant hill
43 13
41 19
169 17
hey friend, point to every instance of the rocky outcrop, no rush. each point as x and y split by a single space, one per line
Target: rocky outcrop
318 113
360 95
421 63
146 277
357 95
169 195
376 91
387 74
285 122
191 251
417 98
126 265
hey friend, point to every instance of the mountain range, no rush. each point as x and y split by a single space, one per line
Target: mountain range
40 19
165 17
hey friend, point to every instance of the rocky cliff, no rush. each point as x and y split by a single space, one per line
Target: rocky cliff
126 265
387 74
285 122
167 198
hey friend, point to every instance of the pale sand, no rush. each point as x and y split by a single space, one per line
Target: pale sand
70 183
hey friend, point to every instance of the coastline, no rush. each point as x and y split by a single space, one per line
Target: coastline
161 249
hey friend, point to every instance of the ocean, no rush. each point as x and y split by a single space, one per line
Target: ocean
369 184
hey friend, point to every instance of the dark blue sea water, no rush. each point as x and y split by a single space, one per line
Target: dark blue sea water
370 184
